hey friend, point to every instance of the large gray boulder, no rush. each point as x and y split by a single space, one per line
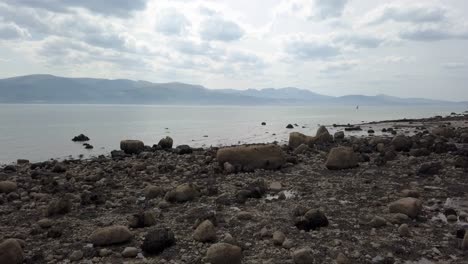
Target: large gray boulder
322 136
11 252
110 235
341 158
132 146
249 158
296 139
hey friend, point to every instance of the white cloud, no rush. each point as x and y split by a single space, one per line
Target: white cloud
312 9
217 28
303 47
171 22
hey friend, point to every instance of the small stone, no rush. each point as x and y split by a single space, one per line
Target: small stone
152 192
276 187
410 193
157 240
110 235
229 168
452 218
11 252
182 193
404 231
288 244
342 259
130 252
245 216
45 223
223 253
59 207
205 232
378 221
278 238
76 255
408 206
104 252
303 256
143 219
7 186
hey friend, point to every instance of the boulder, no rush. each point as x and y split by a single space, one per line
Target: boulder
223 253
341 158
296 139
445 132
7 186
152 192
11 252
303 256
409 206
157 240
110 235
303 148
143 219
183 149
278 238
182 193
289 126
166 143
311 220
205 232
339 135
402 143
249 158
132 146
322 136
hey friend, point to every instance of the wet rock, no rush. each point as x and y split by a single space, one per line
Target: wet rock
430 168
110 235
303 256
88 146
22 161
59 207
182 193
263 123
9 168
339 135
224 253
249 158
157 240
76 255
402 143
404 231
205 232
80 138
341 158
11 252
166 143
132 146
183 149
408 206
152 192
450 211
130 252
143 219
278 238
289 126
7 187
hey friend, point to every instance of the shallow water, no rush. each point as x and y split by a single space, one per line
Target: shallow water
41 132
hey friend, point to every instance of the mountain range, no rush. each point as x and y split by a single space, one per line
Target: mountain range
52 89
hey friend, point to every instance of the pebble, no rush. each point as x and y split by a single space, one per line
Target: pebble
278 238
205 232
76 255
409 206
303 256
130 252
404 231
378 221
342 259
110 235
11 252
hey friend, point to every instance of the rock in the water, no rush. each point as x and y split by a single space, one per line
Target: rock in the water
223 253
263 123
409 206
249 158
7 186
205 232
110 235
132 146
166 143
341 158
339 135
402 143
59 207
157 240
303 256
80 138
11 252
130 252
289 126
182 193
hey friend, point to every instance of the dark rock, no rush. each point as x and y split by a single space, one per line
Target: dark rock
420 152
183 149
80 138
9 168
11 252
430 168
312 220
132 146
88 198
110 235
353 128
55 232
341 158
182 193
88 146
402 143
450 211
249 158
143 219
59 168
22 161
289 126
339 135
263 124
157 240
166 143
59 207
370 131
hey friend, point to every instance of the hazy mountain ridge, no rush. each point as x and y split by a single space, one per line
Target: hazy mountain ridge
53 89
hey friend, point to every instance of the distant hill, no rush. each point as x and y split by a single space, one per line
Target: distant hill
53 89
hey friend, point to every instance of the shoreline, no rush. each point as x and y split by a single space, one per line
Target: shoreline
261 212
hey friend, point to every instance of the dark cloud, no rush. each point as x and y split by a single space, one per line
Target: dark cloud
217 28
114 7
171 22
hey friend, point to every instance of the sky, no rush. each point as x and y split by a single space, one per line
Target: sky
416 48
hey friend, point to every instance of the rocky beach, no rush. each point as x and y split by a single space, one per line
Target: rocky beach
398 194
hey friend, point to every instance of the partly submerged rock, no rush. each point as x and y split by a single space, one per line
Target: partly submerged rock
132 146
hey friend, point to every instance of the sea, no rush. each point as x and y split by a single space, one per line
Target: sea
40 132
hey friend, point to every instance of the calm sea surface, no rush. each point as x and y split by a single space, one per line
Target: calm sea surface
41 132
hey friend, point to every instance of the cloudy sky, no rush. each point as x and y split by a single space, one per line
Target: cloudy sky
335 47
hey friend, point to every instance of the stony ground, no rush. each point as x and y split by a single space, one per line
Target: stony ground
109 191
